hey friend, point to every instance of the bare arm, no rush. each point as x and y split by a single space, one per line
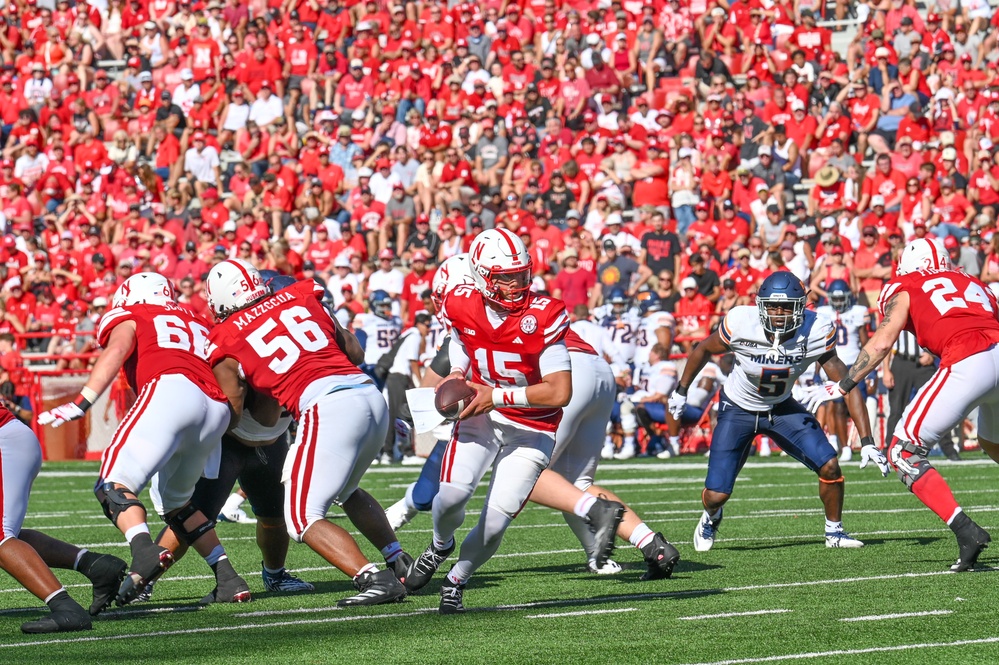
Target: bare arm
880 344
119 348
227 375
837 371
348 343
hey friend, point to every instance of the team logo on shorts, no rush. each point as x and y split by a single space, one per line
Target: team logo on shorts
528 324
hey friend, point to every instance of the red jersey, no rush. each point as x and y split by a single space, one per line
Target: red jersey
168 340
285 343
509 355
951 313
577 344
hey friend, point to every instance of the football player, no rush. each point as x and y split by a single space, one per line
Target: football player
167 436
378 331
953 316
622 322
286 345
773 343
851 321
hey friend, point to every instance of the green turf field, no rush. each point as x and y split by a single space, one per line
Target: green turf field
768 592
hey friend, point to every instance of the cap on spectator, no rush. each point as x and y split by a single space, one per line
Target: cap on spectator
743 252
614 218
386 254
190 246
145 76
573 214
66 235
589 116
728 284
916 223
870 231
198 136
703 205
488 123
762 187
877 200
719 134
787 245
101 74
828 222
773 209
229 227
185 74
364 172
610 244
523 231
949 154
592 39
836 249
882 52
947 48
797 105
422 218
764 150
965 57
728 205
946 182
98 258
950 242
512 196
688 283
684 153
877 33
932 18
356 63
93 231
207 227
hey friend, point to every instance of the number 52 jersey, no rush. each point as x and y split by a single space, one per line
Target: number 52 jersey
763 376
286 347
952 314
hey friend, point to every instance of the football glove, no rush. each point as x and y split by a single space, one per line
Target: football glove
814 396
61 414
870 453
676 402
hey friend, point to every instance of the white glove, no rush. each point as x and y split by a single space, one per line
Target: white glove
814 396
870 453
61 414
676 402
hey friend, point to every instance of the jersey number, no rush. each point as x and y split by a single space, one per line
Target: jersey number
774 381
386 338
842 336
304 334
944 300
173 333
495 368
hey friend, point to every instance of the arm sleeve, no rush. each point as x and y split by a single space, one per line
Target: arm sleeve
441 364
554 358
458 357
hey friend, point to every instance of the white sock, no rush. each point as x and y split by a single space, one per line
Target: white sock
956 513
408 498
764 444
629 441
79 556
233 503
584 504
712 516
372 568
135 531
54 594
834 440
609 442
641 536
440 545
832 525
674 442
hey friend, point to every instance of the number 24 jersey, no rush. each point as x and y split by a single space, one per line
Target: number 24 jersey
285 344
952 314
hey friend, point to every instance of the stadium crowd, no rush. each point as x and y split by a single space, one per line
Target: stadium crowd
683 148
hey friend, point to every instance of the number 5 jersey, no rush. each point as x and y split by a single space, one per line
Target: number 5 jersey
763 375
952 314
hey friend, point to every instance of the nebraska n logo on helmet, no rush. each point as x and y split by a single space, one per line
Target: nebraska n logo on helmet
232 285
501 268
148 288
924 254
453 272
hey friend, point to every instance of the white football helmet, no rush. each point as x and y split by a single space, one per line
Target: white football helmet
232 285
453 272
147 288
501 267
924 254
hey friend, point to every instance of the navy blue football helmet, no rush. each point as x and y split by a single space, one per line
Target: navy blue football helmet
618 300
275 281
840 296
781 300
649 302
380 303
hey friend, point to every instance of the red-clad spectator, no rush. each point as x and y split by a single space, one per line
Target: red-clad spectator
746 277
693 315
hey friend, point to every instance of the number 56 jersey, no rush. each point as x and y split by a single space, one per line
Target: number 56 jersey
286 347
763 376
952 314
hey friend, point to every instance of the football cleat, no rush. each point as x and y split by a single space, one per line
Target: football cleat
972 540
451 595
401 566
608 451
284 581
144 572
842 539
399 514
145 594
422 570
604 517
660 557
231 589
106 574
237 516
626 452
60 621
375 589
412 460
612 567
704 534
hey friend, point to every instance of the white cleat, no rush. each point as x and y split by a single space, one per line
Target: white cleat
842 539
626 452
608 451
846 454
610 568
399 514
704 534
238 516
412 460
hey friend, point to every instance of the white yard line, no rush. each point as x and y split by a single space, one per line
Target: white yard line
580 613
902 615
733 614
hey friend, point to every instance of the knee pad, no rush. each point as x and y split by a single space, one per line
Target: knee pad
114 502
909 461
176 523
628 421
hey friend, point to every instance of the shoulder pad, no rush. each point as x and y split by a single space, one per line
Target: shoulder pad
109 321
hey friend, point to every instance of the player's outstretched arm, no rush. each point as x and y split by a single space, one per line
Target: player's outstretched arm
836 370
696 361
120 345
880 344
227 374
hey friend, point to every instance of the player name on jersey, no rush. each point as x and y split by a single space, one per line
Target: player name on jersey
247 317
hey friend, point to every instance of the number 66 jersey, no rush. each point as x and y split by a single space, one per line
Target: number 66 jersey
952 314
763 375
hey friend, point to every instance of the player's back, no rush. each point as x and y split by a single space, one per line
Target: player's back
952 314
168 340
286 346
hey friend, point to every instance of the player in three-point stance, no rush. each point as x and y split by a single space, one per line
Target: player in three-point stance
773 343
167 436
287 346
953 315
511 342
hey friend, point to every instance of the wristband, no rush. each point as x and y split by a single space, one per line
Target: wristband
86 399
508 397
847 384
681 391
866 441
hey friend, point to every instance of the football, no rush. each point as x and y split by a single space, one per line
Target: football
451 398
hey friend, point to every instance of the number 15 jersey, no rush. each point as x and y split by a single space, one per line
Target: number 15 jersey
286 347
952 314
763 377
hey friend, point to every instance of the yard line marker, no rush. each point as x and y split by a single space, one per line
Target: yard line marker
580 613
902 615
726 615
852 652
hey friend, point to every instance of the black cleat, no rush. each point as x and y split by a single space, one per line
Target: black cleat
62 621
972 540
375 589
229 590
401 566
143 573
422 570
106 573
604 517
451 595
660 557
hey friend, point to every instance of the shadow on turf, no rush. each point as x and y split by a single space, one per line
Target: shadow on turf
818 541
